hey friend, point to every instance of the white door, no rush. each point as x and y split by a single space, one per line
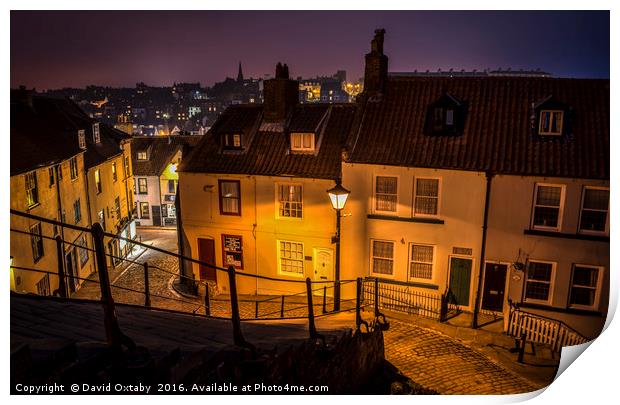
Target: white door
323 264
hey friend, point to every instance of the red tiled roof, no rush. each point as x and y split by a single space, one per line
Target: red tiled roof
497 133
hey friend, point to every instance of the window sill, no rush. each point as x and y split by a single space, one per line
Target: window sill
33 206
408 219
578 236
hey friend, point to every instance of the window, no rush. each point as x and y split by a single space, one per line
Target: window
43 285
59 172
426 197
585 284
550 122
73 168
96 135
232 141
50 171
594 210
303 142
127 172
77 211
83 250
117 208
114 176
142 186
290 199
382 257
171 186
539 276
37 242
101 215
32 192
232 246
291 258
82 138
144 210
230 197
548 206
443 119
98 181
386 193
421 262
142 155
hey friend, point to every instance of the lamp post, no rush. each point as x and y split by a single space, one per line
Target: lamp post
338 196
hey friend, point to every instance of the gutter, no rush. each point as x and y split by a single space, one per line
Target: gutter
489 177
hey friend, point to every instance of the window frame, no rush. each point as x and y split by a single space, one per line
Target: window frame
371 255
82 138
374 195
146 185
96 133
39 252
43 285
410 261
148 212
32 193
52 176
98 185
526 278
415 195
83 255
141 153
597 288
301 148
77 211
552 113
221 197
279 202
583 199
114 173
303 260
557 228
73 168
230 140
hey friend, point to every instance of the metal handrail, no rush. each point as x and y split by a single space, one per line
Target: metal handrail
515 307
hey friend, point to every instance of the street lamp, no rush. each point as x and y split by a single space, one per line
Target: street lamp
338 196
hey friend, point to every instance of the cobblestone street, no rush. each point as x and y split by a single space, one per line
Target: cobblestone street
430 358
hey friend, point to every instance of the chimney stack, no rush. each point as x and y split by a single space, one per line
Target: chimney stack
375 73
280 94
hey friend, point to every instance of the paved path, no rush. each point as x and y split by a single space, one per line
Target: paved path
447 366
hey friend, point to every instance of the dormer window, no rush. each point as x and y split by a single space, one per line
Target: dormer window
443 119
82 139
142 155
302 142
96 135
232 141
550 122
446 116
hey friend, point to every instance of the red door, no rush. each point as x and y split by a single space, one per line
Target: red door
206 253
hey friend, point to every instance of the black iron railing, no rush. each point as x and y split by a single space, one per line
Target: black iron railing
275 307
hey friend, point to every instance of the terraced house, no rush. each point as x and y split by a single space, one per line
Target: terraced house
490 189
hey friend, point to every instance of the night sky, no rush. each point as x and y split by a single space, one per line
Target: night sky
73 49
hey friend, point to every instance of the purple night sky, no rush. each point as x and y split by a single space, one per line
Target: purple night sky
120 48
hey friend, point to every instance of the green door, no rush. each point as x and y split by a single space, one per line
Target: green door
460 280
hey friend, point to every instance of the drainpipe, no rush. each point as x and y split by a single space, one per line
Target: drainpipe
489 176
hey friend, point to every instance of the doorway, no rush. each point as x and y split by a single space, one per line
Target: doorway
323 264
494 286
460 280
206 253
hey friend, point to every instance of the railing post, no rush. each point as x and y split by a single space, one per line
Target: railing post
376 297
114 336
207 302
521 348
311 326
62 281
147 290
256 312
234 307
282 307
324 299
358 301
443 307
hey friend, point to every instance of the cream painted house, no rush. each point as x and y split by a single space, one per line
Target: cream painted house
254 191
47 180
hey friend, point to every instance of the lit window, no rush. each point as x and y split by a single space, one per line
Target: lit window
77 211
548 206
96 135
232 141
426 196
144 210
302 142
142 155
230 197
142 185
382 257
82 139
421 262
290 200
117 208
386 193
98 181
127 172
550 122
32 192
114 176
73 168
595 210
539 276
36 240
585 286
291 258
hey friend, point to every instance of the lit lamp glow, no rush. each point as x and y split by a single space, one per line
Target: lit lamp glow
338 195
